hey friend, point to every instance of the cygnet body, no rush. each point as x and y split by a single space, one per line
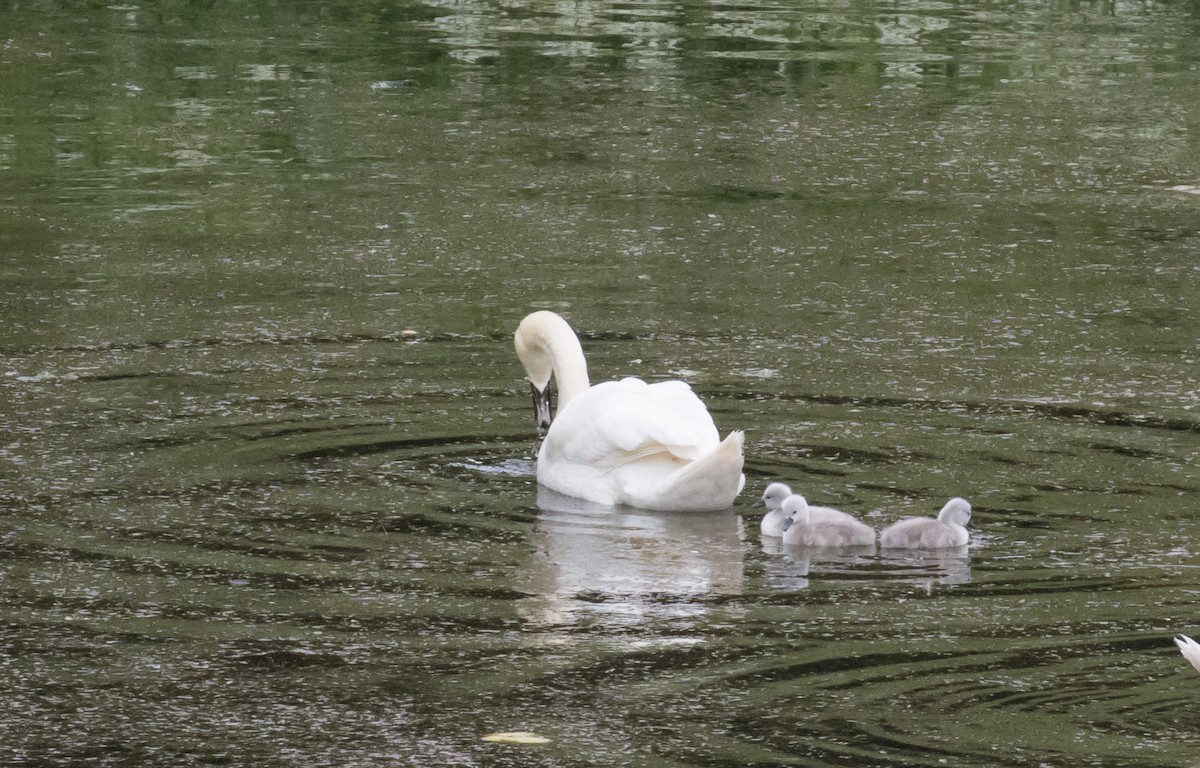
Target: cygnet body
949 529
802 528
772 522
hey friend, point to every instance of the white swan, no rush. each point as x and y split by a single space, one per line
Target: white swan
772 522
1190 650
652 446
799 527
949 529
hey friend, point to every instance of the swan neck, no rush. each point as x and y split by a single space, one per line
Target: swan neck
570 368
547 346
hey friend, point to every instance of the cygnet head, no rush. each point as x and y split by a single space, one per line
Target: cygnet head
773 497
956 511
795 510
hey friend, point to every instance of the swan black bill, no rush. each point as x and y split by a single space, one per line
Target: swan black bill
541 407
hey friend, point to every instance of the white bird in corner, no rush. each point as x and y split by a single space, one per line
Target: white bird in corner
652 446
1190 650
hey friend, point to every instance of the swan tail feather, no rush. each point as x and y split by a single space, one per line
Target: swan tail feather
714 480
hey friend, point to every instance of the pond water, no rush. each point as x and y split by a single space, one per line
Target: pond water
266 455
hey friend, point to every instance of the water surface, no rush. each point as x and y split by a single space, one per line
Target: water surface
267 457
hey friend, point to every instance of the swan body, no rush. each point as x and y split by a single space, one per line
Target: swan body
949 529
652 446
1190 650
800 528
772 522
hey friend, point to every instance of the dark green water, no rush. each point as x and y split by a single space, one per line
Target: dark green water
266 460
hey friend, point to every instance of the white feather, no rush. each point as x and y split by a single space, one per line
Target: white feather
1190 650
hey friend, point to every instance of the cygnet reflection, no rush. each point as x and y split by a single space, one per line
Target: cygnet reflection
951 565
626 564
785 568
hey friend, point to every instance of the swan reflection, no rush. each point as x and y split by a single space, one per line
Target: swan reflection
628 566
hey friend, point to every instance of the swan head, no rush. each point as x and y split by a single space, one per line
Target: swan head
546 346
543 406
795 510
957 511
773 496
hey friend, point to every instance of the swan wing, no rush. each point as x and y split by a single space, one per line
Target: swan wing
617 422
